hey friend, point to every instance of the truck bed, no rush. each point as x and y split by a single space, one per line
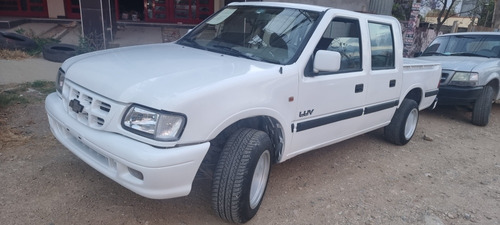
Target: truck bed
413 70
412 64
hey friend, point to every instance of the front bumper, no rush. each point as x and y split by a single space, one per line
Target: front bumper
452 95
156 173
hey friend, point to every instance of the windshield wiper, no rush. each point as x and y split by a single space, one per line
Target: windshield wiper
433 53
468 54
234 52
191 43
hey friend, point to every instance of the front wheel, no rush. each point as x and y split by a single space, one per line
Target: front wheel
241 175
403 123
482 107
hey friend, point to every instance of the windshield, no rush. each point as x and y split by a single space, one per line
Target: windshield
465 45
268 34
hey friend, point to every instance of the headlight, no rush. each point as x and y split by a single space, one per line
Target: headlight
154 124
60 80
464 79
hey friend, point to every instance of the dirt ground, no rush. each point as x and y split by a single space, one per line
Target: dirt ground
448 174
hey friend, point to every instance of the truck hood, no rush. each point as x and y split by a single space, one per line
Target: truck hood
461 63
154 74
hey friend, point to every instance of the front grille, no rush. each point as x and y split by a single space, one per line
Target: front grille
96 109
104 106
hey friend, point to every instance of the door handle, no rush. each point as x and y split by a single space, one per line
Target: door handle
392 83
358 88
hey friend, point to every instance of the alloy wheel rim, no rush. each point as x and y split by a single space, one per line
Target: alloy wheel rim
259 179
411 123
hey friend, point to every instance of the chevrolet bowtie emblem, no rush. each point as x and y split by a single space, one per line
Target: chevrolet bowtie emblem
76 106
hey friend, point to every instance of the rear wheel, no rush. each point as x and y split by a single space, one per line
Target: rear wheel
241 175
482 107
403 123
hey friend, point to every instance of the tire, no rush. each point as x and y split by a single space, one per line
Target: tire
59 52
482 107
241 175
403 123
13 41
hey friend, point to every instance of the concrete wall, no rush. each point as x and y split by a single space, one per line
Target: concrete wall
218 4
55 8
382 7
355 5
462 22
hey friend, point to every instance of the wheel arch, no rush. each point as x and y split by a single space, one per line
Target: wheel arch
495 84
415 94
267 124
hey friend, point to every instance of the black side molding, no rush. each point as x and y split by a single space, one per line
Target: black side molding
328 119
380 107
343 116
431 93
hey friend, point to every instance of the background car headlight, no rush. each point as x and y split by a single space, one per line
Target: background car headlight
154 124
60 80
464 79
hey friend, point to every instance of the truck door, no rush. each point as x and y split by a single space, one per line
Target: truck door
331 104
385 79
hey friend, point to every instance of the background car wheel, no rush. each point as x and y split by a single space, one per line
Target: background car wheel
13 41
482 107
59 52
403 123
241 175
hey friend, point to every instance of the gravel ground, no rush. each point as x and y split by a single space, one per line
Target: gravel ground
448 174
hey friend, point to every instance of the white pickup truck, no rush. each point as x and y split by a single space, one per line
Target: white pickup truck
253 85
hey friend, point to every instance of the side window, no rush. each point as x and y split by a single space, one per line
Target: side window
382 46
343 36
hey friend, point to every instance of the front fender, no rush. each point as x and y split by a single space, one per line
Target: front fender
494 79
250 113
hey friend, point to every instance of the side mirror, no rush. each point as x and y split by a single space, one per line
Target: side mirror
327 61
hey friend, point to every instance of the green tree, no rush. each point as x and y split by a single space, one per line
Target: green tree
447 10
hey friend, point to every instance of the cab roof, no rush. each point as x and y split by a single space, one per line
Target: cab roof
282 4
